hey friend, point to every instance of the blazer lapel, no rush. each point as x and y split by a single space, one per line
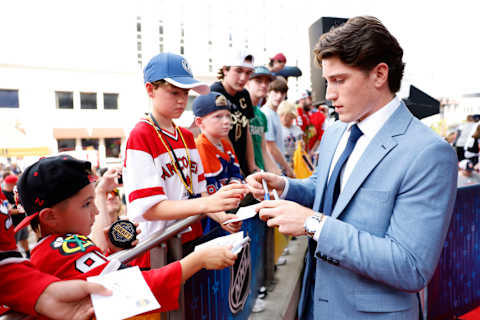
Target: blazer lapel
378 148
324 163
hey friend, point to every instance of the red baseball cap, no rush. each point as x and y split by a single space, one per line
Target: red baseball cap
11 179
279 57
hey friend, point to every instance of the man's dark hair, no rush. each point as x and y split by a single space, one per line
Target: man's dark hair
279 84
363 42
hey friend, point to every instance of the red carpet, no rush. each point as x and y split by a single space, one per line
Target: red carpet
472 315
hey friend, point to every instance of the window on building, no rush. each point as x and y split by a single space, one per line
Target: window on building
210 65
8 98
110 101
88 100
112 147
160 35
89 144
139 41
66 145
64 99
182 50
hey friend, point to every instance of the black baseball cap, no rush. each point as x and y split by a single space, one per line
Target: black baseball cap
50 181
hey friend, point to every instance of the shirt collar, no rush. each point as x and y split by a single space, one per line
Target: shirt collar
374 122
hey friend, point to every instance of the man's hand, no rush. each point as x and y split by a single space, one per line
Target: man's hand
221 217
273 181
288 216
227 197
69 299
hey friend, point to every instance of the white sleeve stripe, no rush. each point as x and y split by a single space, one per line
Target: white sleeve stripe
137 208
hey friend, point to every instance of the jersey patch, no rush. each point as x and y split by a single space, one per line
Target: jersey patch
4 211
71 244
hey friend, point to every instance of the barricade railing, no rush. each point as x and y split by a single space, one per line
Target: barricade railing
154 240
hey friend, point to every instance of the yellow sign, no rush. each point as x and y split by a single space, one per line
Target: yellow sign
24 152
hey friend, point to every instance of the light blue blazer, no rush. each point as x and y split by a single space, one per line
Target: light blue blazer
387 229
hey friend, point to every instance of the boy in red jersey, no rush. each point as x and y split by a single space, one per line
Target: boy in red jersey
58 198
28 290
163 174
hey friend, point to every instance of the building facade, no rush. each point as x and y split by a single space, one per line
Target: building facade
71 77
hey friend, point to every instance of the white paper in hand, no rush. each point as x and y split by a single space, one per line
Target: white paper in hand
244 213
131 295
236 240
227 240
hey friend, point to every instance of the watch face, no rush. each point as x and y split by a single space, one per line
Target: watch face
311 224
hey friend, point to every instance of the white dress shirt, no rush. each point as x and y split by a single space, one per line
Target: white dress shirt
369 126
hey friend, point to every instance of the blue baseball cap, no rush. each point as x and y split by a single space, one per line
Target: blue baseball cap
262 71
206 104
174 69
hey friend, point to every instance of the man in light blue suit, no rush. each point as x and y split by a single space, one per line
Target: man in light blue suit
378 206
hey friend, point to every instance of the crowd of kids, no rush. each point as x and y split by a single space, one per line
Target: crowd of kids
168 175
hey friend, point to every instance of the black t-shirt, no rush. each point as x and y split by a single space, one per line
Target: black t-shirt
242 112
16 218
474 148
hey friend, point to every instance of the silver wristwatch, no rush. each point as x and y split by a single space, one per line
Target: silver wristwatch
312 224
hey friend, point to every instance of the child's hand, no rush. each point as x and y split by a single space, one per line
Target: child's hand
227 198
111 247
108 181
221 217
217 258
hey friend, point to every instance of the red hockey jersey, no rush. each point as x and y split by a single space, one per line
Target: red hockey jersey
21 284
73 256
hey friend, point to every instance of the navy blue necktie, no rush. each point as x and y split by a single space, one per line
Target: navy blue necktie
333 186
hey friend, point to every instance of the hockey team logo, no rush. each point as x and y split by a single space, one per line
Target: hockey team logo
71 244
240 280
186 66
4 211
